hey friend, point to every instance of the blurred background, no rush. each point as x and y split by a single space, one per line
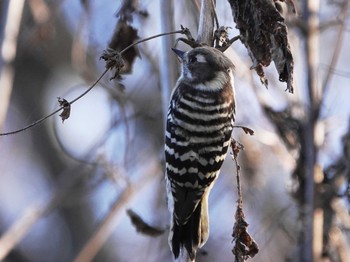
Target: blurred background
65 188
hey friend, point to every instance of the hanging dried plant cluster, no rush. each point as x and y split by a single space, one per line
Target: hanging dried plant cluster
245 246
264 33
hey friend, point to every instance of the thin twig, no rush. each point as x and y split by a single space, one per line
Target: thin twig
236 147
56 111
215 15
89 89
238 179
337 47
239 190
32 124
151 37
245 246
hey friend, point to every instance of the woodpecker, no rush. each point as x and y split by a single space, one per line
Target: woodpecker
198 134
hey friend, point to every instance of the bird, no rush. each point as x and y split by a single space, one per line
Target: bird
199 125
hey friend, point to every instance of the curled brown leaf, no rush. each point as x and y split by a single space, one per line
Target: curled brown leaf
113 60
123 36
246 130
66 108
236 147
245 246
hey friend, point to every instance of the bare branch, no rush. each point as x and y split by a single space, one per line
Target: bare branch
20 228
206 23
337 46
245 246
12 10
108 224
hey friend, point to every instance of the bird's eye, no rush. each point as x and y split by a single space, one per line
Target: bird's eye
192 59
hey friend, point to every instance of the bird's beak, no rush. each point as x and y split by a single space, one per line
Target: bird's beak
179 53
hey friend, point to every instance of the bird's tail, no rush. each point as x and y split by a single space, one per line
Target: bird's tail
185 239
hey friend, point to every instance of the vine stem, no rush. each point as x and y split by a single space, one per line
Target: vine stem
56 111
238 179
239 190
149 38
90 88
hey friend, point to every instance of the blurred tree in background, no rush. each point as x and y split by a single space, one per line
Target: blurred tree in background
65 188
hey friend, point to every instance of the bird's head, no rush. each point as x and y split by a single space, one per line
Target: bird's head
202 64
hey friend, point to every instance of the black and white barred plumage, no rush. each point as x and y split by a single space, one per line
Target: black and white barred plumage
199 126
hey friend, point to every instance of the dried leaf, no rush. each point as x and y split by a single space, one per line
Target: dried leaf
221 37
245 246
248 130
264 33
113 60
142 227
128 8
66 108
123 36
236 147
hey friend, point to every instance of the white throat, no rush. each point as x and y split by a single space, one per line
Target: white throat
215 84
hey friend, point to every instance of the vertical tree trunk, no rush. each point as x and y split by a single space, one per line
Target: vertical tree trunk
309 214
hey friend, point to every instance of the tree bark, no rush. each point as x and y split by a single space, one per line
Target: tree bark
308 240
